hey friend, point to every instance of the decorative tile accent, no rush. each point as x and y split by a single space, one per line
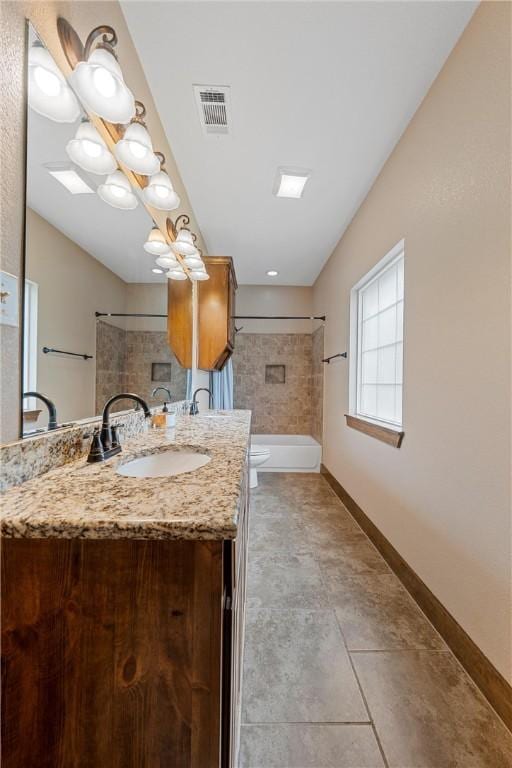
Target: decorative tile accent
275 374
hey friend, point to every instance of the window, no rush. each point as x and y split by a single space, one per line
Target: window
377 303
30 344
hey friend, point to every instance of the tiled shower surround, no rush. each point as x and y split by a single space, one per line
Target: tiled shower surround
291 407
123 362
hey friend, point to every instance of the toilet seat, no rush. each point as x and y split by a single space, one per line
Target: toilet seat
258 455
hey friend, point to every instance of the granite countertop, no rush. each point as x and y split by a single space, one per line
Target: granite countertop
91 501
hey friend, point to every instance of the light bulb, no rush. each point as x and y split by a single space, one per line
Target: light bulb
47 81
104 82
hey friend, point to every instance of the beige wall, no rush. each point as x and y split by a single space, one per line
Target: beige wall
443 499
274 300
83 16
150 298
72 285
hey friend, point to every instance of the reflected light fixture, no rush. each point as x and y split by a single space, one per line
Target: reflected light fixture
290 182
184 243
198 274
157 271
48 92
272 272
194 262
117 192
156 244
89 151
167 262
135 149
177 274
98 80
159 192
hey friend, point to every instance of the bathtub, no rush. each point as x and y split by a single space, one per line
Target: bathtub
290 453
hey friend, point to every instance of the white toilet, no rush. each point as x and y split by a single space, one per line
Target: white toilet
257 456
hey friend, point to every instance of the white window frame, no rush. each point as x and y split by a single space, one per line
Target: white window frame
30 343
394 255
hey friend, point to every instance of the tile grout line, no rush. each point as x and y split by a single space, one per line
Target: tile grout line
344 642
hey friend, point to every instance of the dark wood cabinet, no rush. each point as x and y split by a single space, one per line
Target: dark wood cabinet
122 653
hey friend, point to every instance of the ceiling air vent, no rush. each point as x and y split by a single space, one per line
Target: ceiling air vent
214 108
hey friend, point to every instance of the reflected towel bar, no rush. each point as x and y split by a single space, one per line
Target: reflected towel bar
328 359
47 350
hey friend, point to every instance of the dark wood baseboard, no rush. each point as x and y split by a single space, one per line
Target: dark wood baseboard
493 685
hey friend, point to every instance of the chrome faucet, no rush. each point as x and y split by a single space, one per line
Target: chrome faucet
105 443
163 389
194 410
52 411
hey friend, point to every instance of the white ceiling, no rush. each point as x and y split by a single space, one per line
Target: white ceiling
328 86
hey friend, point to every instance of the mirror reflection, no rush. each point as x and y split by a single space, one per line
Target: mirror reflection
83 256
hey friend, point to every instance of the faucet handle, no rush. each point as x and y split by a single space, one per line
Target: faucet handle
96 452
115 434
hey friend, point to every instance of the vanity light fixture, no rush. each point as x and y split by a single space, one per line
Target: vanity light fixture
194 262
184 243
98 79
89 151
177 274
70 177
198 274
48 93
290 182
159 192
117 192
168 262
135 149
157 271
272 272
156 244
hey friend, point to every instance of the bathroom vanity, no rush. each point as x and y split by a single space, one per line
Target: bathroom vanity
123 601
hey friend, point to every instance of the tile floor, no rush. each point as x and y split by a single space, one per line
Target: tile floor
342 670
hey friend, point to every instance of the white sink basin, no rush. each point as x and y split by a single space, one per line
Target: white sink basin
164 464
212 414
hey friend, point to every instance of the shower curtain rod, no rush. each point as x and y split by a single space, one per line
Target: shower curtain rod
233 317
278 317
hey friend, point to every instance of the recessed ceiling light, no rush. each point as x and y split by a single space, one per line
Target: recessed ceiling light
290 182
157 271
272 272
70 177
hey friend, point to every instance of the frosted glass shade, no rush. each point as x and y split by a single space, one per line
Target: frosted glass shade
198 274
176 274
100 85
135 150
48 92
184 244
193 262
160 194
156 243
167 262
117 192
89 151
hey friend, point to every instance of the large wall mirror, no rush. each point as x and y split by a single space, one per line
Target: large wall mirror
83 256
